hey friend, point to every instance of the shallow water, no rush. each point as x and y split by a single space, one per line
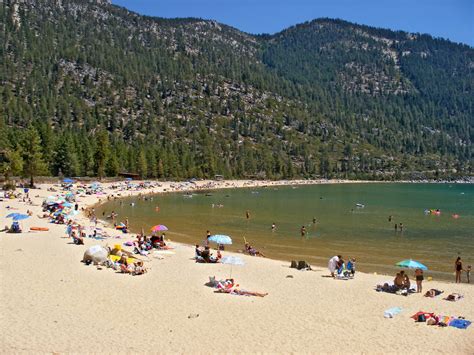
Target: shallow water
341 228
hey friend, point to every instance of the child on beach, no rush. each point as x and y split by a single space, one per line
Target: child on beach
351 266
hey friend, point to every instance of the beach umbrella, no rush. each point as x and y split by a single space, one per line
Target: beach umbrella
128 179
220 239
68 181
11 215
232 260
67 204
20 217
411 264
158 228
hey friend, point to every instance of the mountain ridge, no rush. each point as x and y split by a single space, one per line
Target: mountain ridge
325 97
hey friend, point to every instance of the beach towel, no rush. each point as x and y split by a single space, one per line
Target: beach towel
459 323
444 320
392 312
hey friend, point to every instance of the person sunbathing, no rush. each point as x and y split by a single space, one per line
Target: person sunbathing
252 251
78 240
406 282
139 268
398 281
433 293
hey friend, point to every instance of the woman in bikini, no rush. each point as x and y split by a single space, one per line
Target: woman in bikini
458 269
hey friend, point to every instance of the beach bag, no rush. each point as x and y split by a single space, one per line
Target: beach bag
293 265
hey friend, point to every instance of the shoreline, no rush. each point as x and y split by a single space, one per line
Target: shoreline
302 313
244 184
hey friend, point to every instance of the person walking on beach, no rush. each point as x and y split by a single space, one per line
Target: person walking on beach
303 231
458 269
419 279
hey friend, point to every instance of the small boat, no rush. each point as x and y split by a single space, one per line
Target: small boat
360 205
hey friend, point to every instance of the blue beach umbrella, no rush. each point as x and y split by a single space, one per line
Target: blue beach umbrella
11 215
20 217
68 181
67 204
220 239
411 264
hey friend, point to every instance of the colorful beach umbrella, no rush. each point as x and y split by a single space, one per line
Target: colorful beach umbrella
220 239
411 264
159 228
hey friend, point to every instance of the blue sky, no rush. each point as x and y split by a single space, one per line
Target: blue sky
452 19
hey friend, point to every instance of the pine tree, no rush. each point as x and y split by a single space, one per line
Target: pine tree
32 156
101 153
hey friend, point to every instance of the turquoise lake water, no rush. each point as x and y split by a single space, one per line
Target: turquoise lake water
341 228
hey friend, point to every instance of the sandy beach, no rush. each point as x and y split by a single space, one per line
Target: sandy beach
53 303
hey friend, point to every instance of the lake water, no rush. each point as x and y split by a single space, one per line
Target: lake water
341 228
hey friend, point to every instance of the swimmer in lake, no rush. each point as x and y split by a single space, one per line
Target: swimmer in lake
303 231
273 227
247 214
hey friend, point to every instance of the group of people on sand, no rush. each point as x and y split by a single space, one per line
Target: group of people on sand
339 269
144 244
204 255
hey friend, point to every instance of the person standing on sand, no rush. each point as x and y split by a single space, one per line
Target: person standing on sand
419 279
468 272
458 269
208 235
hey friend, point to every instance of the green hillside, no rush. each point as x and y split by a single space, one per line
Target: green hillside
89 88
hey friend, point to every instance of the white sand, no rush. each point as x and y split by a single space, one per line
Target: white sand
51 302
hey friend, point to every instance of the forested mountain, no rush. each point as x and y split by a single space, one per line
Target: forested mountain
88 88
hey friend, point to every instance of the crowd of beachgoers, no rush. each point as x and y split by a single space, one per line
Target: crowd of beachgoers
111 245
